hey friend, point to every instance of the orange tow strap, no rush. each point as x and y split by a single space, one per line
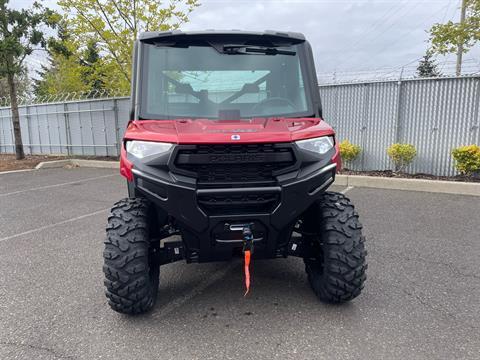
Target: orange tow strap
247 271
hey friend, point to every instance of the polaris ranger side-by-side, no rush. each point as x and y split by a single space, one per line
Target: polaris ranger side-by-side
226 155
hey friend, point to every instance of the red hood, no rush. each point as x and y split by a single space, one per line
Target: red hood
188 131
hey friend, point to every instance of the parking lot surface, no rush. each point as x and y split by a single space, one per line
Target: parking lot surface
421 300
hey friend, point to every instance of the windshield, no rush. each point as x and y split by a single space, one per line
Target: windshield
234 82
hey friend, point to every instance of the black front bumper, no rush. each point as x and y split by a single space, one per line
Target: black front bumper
207 230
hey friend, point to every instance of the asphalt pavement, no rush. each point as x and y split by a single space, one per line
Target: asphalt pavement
421 300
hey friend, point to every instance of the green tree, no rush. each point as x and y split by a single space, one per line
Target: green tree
427 67
20 35
93 71
115 24
22 83
63 74
70 69
60 43
449 37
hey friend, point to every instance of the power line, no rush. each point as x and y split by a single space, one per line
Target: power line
414 28
446 12
400 15
394 23
375 25
407 70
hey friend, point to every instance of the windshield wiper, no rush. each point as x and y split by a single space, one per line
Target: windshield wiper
245 49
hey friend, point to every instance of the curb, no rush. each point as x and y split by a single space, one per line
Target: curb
96 163
15 171
78 163
433 186
53 164
341 180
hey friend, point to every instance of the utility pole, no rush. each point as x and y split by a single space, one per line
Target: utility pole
460 45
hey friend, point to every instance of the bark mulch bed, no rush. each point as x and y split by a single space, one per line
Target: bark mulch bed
391 174
9 163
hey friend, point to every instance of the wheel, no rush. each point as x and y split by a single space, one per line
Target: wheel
336 259
130 266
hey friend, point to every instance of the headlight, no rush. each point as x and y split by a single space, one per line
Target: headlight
318 145
141 149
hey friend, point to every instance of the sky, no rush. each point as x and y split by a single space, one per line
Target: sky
351 39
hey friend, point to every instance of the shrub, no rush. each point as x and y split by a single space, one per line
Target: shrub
349 151
467 159
401 155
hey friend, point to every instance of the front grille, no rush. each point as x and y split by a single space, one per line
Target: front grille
230 204
237 164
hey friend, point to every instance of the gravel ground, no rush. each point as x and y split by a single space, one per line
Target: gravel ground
421 298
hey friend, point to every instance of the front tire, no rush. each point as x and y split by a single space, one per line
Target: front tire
336 263
130 266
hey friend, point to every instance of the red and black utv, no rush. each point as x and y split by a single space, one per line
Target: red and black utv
226 155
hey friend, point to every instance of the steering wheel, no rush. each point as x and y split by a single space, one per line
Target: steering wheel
274 102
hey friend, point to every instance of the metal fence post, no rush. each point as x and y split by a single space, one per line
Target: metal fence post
117 126
475 128
91 129
363 129
49 134
12 135
58 131
435 128
40 143
27 118
398 112
68 136
82 147
2 137
105 130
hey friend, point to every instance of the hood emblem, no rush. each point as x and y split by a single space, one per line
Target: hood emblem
235 137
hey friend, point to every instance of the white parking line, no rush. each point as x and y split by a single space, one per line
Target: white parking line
56 185
344 191
53 225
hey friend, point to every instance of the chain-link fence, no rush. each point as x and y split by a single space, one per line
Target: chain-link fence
69 127
63 97
435 115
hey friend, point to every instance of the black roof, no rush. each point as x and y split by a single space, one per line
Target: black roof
178 35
